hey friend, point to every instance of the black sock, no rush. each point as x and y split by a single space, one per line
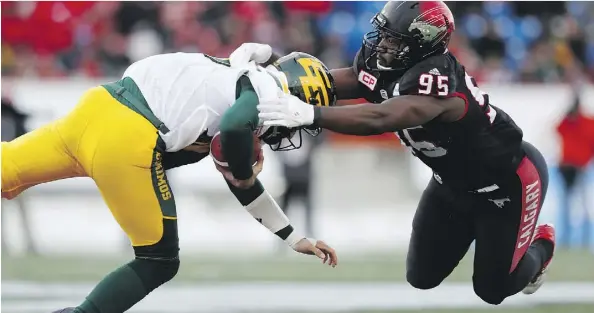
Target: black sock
116 293
127 285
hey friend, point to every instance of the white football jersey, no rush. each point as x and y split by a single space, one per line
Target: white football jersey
189 92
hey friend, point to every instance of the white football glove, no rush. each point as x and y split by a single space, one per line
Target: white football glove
260 53
286 110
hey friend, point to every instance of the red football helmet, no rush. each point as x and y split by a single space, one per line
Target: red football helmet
406 32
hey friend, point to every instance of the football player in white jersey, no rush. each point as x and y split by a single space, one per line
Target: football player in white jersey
161 114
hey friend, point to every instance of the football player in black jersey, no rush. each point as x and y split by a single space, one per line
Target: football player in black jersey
488 184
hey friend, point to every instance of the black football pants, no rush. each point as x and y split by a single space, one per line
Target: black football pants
501 221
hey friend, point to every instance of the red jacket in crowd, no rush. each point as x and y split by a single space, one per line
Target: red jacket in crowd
577 140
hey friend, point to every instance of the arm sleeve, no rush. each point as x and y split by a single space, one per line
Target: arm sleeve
247 196
265 210
237 127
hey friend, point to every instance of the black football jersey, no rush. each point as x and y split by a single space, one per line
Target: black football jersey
472 152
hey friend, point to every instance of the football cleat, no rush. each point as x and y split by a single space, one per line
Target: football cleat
545 232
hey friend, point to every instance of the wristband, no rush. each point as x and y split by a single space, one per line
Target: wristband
293 239
317 115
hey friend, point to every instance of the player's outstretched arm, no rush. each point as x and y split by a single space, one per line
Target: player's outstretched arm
347 83
364 119
389 116
260 204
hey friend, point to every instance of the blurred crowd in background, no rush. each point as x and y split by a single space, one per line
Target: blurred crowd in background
497 41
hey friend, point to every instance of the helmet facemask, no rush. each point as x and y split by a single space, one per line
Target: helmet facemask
399 51
384 40
281 138
404 49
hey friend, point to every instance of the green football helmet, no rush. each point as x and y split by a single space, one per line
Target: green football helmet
308 79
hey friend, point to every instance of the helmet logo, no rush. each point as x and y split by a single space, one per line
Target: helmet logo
308 78
315 83
434 23
426 31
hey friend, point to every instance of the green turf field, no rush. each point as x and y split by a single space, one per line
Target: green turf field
571 308
50 282
567 266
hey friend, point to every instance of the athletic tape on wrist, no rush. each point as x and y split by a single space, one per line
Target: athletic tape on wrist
293 239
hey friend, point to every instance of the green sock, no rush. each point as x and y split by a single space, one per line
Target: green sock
116 293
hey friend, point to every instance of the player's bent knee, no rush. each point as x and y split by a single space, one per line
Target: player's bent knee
423 280
488 293
157 264
155 272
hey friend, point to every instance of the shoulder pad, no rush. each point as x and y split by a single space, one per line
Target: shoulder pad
359 61
366 76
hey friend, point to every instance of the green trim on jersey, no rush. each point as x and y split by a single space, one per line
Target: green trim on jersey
127 93
222 61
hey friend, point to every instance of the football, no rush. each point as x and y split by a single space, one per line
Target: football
216 151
